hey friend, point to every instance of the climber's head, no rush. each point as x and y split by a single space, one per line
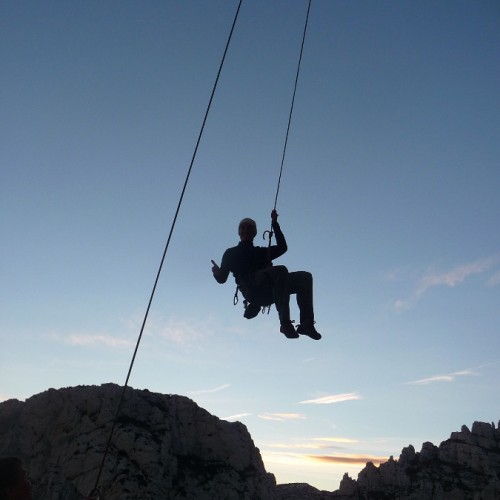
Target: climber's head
247 229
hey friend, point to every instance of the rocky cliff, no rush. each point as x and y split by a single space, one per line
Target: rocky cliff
166 447
466 466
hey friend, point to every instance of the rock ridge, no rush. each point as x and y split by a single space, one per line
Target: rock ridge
466 466
164 446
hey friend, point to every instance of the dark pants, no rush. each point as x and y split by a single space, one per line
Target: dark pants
274 285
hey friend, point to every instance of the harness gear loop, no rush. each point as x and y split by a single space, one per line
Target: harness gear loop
235 298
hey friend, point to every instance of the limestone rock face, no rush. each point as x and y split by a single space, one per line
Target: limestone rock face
163 447
464 467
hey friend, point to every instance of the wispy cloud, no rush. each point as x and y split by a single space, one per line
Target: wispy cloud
210 391
180 331
282 416
239 416
341 440
494 280
92 340
184 332
308 360
332 399
451 278
449 377
457 275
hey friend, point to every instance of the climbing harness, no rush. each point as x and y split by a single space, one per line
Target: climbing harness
247 306
120 402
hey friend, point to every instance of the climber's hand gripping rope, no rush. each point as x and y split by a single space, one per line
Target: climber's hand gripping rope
274 218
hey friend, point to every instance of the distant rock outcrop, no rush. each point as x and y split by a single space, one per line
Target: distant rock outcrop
301 491
466 466
166 447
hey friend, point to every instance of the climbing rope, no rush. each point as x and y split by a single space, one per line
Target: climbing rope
120 403
270 233
293 102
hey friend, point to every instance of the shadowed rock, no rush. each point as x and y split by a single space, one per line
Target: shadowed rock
163 447
466 466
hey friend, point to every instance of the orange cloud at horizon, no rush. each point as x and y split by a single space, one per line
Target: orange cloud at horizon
348 459
304 460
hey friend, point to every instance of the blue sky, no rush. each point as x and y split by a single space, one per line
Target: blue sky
389 197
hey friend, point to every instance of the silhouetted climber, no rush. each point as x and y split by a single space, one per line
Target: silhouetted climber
263 284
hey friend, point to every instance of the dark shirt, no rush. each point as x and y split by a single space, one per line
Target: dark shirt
245 258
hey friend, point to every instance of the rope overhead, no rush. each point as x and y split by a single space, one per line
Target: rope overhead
270 232
293 102
120 403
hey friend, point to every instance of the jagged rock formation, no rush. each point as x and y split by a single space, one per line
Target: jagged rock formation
466 466
166 447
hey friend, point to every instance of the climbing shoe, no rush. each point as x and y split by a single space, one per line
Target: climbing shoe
307 328
288 330
251 310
